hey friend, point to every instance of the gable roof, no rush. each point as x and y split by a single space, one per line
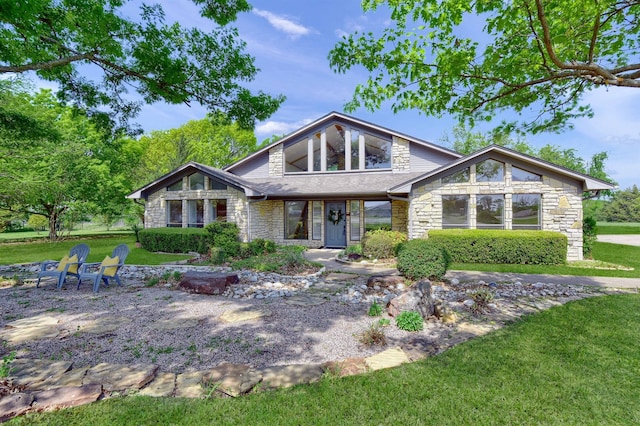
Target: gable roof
332 116
589 183
192 167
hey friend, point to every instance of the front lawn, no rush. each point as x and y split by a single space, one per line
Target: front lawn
573 364
608 228
11 253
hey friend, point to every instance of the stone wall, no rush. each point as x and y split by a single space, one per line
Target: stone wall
399 215
401 155
561 205
276 161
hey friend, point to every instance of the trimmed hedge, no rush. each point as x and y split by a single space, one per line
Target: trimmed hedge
502 246
419 259
382 244
224 236
174 240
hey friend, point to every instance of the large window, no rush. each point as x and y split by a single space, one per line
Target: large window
526 211
296 157
177 186
457 177
196 181
490 171
519 175
296 220
335 148
377 215
355 220
174 214
214 184
355 149
196 213
377 152
455 209
218 210
490 211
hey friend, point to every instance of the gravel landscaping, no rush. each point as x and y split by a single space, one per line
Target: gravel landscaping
296 320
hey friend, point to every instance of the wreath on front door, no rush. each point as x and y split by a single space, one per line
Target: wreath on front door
335 216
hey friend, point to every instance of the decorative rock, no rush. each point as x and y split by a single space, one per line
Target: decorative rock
14 405
116 377
455 281
67 396
347 367
468 303
233 379
189 385
385 281
387 359
284 376
28 371
244 314
163 384
417 298
213 283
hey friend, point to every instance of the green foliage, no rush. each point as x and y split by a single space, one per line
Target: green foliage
375 310
410 321
623 207
381 244
418 259
5 368
481 298
174 240
589 236
502 246
287 260
224 236
37 222
353 249
384 322
534 58
374 335
162 61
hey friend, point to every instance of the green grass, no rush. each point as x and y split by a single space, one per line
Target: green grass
613 253
43 235
11 253
574 364
608 228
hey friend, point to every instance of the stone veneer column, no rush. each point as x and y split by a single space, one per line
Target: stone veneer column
400 155
276 161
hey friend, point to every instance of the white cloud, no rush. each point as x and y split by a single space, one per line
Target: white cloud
283 24
615 119
271 127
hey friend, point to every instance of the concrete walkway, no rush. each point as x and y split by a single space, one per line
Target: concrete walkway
328 258
626 239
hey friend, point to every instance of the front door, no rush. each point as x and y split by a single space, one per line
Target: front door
335 224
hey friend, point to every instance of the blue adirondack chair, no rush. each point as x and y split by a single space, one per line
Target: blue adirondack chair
105 271
61 269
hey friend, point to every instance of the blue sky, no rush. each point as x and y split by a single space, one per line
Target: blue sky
291 41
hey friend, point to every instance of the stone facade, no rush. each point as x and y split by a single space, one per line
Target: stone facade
276 161
561 205
401 155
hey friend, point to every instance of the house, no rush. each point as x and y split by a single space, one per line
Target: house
327 183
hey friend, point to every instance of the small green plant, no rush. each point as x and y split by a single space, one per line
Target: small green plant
5 368
410 321
381 244
375 310
209 387
384 322
152 282
373 335
481 299
177 275
589 236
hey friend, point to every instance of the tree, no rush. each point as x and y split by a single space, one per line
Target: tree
214 141
466 141
530 55
77 169
624 206
67 41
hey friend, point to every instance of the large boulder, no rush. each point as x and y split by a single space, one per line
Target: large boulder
385 281
416 298
207 282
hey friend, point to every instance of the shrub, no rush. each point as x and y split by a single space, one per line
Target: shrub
589 236
481 299
419 259
381 244
224 235
373 335
261 246
502 246
353 249
375 310
384 322
174 240
410 321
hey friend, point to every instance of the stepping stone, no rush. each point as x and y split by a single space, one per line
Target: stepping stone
327 287
474 329
104 325
38 321
233 379
173 324
387 359
14 405
244 314
116 377
71 378
162 385
304 300
67 396
420 348
290 375
32 328
336 276
347 367
207 282
189 385
28 371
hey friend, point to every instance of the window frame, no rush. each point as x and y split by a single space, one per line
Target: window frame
199 213
501 225
303 219
191 184
489 178
536 227
169 210
452 225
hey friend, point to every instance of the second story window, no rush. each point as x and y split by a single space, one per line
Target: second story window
196 181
